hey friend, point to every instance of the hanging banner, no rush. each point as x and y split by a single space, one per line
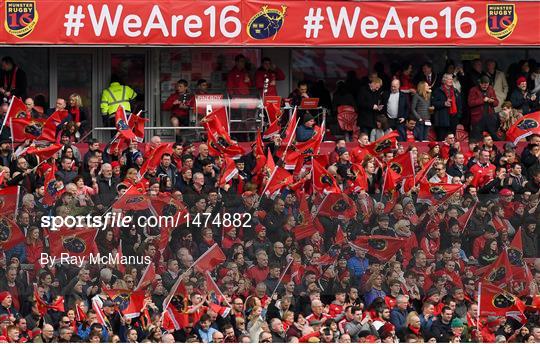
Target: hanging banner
273 23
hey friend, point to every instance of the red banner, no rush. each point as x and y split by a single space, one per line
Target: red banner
257 23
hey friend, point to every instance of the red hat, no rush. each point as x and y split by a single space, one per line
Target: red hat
3 295
184 169
505 192
371 339
432 145
3 339
520 80
115 164
259 228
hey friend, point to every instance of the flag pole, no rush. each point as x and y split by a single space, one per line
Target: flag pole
384 184
479 299
7 114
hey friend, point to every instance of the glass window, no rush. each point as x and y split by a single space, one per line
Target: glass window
35 63
131 68
75 76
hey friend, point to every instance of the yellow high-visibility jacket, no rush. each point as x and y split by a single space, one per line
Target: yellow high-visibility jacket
114 96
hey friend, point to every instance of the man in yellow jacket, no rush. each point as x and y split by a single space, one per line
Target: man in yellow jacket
112 97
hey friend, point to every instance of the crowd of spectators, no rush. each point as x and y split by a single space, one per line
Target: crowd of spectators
331 292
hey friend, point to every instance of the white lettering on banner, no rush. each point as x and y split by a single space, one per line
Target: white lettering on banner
107 21
461 24
393 23
343 17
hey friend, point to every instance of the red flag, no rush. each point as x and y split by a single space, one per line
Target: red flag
515 256
11 234
302 232
97 306
305 149
360 181
122 124
524 127
9 200
436 193
219 141
80 315
279 179
154 158
16 109
304 227
40 304
423 171
134 199
44 153
221 310
260 157
495 301
385 144
391 179
51 191
220 115
463 220
210 259
273 129
380 246
323 181
403 165
129 302
338 205
27 129
270 164
212 286
228 171
169 206
272 107
2 177
58 117
137 123
290 134
499 272
340 236
75 242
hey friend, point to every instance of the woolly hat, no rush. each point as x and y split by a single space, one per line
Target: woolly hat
3 295
520 80
307 117
456 323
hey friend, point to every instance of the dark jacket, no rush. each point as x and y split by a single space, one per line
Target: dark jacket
366 99
441 331
304 133
521 101
441 116
402 131
107 191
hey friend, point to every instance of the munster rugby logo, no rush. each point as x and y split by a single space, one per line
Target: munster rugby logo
396 167
73 244
515 257
497 275
438 192
382 146
21 17
503 301
34 128
377 244
266 23
340 206
501 20
527 124
5 231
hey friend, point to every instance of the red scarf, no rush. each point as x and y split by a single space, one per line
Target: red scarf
76 114
451 96
13 82
416 331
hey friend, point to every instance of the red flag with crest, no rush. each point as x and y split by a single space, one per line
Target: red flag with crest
51 191
129 302
279 179
323 181
23 129
10 234
338 205
122 124
495 301
524 127
385 144
380 246
136 122
75 242
133 199
499 272
403 165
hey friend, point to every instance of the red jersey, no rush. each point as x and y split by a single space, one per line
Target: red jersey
272 76
238 82
179 110
334 310
482 173
257 274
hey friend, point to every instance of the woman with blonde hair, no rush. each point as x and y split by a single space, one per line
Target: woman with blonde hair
412 327
77 113
421 108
